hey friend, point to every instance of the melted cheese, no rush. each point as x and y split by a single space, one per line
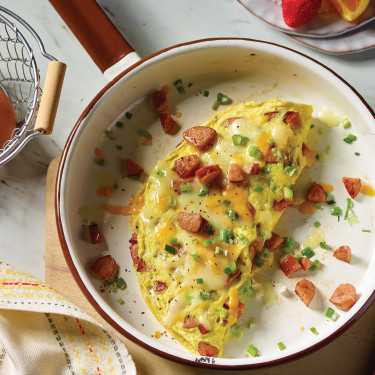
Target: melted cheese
281 135
314 239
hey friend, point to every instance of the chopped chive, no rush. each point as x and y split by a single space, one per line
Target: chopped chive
298 257
271 142
307 252
178 82
322 131
173 240
120 301
204 191
185 188
207 296
120 283
110 135
289 241
119 124
317 156
323 244
171 201
350 138
195 255
330 202
190 84
223 99
346 123
144 133
199 281
231 214
315 265
357 153
236 331
314 331
210 229
316 224
258 261
226 202
265 253
335 211
230 268
238 139
219 250
252 350
119 147
288 193
258 189
281 345
329 313
128 115
206 243
215 105
206 93
262 234
312 126
349 204
100 162
318 205
226 235
163 256
366 230
254 152
170 249
242 238
181 89
160 173
251 324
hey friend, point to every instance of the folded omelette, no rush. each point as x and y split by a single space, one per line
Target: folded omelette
206 214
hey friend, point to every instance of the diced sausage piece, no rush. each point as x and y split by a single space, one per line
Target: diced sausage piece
252 169
190 322
308 154
187 165
271 115
316 193
290 265
258 245
207 350
134 253
190 222
132 168
343 253
281 205
274 242
235 173
176 184
250 208
252 252
306 263
134 238
270 157
200 137
142 267
203 329
95 236
229 121
344 297
294 120
104 267
159 99
233 276
305 291
208 174
352 185
169 125
159 286
241 308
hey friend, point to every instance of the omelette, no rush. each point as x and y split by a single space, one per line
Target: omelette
206 213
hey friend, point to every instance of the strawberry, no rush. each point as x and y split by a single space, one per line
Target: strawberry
297 12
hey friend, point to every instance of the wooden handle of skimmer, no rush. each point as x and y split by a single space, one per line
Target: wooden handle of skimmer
50 97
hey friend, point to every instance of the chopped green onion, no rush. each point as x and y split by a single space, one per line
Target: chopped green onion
322 130
350 138
357 154
298 257
366 230
119 124
171 201
252 350
226 235
207 243
199 281
290 170
251 324
100 162
254 152
312 126
163 256
231 214
204 191
190 84
120 301
206 93
180 89
110 135
230 268
288 193
330 202
352 220
185 188
215 105
238 139
265 253
258 261
314 331
144 133
210 229
195 255
245 290
223 99
335 211
323 244
307 252
170 249
258 189
329 313
281 345
173 240
209 296
160 173
315 265
289 241
236 331
262 234
119 147
226 202
349 204
120 283
345 123
178 82
242 238
271 142
316 224
219 250
128 115
317 156
318 205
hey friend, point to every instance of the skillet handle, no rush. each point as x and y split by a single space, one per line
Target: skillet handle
97 34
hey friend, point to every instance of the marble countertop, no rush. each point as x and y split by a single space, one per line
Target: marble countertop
149 26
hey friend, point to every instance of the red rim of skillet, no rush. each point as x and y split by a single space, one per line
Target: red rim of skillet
96 305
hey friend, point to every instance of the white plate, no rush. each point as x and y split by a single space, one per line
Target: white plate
326 23
244 70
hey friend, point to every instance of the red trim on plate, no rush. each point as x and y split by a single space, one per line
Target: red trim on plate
96 305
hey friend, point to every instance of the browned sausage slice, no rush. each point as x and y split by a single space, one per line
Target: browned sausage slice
271 115
352 185
229 121
208 174
134 238
176 184
241 308
281 205
190 222
159 99
306 263
159 286
203 329
343 253
132 168
233 276
200 137
252 169
235 173
142 267
305 291
270 157
294 120
207 350
274 242
134 253
168 124
316 193
290 265
251 208
257 245
104 267
186 166
190 322
344 297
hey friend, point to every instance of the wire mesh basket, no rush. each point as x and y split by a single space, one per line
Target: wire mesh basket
20 81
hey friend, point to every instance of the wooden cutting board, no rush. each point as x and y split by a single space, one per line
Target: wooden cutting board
353 353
